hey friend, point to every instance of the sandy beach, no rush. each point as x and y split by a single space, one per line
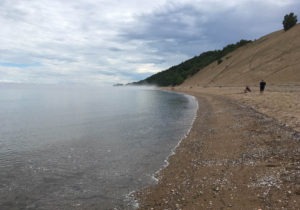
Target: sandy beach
243 152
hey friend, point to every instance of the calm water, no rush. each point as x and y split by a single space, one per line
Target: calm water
84 148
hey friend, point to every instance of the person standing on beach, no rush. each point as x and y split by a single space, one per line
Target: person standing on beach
262 86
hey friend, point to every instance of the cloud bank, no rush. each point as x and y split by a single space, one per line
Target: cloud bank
105 42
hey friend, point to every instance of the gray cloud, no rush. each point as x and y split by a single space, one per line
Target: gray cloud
103 41
191 29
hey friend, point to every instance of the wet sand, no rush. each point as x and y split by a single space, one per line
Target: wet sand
240 154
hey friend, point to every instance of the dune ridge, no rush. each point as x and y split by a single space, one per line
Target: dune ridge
274 58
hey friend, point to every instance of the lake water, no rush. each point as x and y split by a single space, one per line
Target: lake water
85 147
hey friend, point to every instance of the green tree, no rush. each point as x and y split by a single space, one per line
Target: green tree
176 75
289 21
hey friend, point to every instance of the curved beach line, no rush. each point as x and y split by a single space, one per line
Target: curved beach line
173 151
130 197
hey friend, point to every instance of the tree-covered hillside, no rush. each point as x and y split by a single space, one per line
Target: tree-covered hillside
177 74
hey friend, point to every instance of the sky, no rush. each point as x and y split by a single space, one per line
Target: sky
122 41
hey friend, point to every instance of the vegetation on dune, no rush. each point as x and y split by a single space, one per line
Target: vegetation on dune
289 21
177 74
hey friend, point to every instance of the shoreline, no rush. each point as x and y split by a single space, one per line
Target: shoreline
173 151
237 172
130 198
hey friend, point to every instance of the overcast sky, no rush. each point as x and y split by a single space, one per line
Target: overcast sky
121 41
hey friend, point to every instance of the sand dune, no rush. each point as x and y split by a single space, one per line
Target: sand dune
274 58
